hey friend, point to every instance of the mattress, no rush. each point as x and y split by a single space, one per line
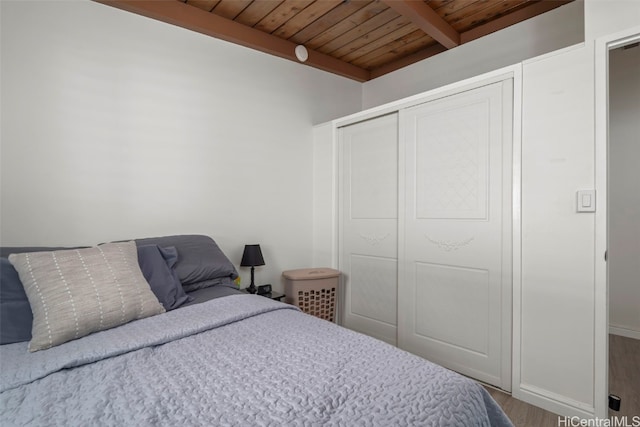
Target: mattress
238 360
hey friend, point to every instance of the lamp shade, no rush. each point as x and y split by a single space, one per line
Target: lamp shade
252 256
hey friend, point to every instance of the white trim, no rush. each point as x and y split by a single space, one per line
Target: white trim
450 89
508 167
402 224
554 53
516 232
335 167
553 402
601 289
337 225
633 38
624 332
601 296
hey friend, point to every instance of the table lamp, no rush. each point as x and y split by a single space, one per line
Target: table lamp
251 257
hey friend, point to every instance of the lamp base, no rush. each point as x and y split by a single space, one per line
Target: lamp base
252 289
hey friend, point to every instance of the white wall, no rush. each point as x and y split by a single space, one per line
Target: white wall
116 126
556 315
604 17
624 197
561 27
324 197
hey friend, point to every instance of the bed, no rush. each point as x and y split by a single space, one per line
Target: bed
222 357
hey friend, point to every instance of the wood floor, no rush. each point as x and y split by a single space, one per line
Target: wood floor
624 374
522 414
624 381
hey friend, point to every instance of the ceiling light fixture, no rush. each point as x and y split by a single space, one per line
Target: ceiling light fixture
301 53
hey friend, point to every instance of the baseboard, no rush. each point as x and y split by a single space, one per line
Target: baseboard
629 333
553 402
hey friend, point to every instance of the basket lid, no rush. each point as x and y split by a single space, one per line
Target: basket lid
310 273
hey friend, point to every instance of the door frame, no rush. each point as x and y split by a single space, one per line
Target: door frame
601 287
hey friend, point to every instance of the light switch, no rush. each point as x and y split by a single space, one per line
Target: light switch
586 200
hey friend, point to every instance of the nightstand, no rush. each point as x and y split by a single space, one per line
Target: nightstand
273 295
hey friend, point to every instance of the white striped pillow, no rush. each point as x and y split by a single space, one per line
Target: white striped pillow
76 292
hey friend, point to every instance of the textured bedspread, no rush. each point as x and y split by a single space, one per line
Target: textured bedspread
241 360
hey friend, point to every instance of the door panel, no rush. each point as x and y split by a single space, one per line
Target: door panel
452 162
369 226
447 295
371 294
456 232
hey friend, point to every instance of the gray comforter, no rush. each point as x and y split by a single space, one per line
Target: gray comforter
241 360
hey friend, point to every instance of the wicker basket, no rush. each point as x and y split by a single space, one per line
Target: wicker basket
313 290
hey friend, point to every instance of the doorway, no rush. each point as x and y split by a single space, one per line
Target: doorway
623 211
603 47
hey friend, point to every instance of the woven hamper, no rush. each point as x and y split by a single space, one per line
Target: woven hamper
313 290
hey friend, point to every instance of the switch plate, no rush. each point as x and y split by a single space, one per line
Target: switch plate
586 201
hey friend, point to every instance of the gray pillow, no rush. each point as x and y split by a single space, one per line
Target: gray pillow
15 311
73 293
199 259
220 281
157 264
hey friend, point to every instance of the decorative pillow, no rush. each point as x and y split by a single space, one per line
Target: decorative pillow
15 311
199 258
157 264
73 293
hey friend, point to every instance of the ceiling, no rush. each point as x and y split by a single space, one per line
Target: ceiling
358 39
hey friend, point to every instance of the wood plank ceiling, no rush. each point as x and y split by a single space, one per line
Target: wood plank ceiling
358 39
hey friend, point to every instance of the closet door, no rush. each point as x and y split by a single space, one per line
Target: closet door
455 276
368 212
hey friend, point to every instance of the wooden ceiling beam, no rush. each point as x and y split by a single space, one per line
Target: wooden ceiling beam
189 17
427 20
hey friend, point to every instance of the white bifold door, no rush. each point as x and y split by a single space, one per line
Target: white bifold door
454 294
368 226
